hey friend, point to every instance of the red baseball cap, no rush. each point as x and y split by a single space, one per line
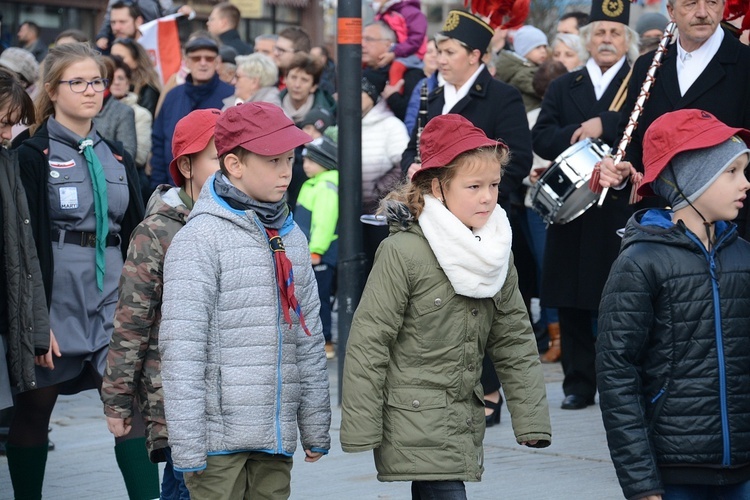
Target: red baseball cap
191 135
447 136
677 132
260 127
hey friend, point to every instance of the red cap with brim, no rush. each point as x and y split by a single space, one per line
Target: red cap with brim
260 127
191 135
677 132
447 136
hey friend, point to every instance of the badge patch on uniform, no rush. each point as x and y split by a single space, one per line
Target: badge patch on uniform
54 174
62 164
68 198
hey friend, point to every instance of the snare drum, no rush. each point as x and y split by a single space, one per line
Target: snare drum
562 192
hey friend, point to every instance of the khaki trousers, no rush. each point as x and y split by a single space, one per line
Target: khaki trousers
247 475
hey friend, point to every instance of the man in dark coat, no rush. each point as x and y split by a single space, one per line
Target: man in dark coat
708 69
222 23
578 254
471 92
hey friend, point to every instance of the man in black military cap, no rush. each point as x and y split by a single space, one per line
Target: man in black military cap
580 105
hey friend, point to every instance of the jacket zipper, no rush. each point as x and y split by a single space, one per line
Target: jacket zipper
726 456
280 344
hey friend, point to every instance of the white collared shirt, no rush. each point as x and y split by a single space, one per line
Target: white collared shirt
690 65
453 95
602 80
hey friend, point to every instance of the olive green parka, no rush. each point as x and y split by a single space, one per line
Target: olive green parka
411 384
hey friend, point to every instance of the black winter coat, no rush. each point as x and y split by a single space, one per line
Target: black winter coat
723 89
578 254
673 357
498 110
24 319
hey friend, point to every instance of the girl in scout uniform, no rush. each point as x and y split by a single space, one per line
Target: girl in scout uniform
84 200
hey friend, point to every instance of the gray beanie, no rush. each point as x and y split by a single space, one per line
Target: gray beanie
695 171
651 21
324 152
527 38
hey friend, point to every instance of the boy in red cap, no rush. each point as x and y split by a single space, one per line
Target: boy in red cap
243 359
673 349
443 291
132 379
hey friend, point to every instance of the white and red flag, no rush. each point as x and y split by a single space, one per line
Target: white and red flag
161 40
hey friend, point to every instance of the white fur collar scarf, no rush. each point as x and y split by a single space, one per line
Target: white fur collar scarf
475 262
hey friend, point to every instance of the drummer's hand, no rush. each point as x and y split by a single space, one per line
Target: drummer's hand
589 129
413 169
535 174
612 175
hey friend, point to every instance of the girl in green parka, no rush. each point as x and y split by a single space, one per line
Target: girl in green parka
443 291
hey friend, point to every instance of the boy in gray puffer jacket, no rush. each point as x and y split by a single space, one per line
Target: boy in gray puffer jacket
243 359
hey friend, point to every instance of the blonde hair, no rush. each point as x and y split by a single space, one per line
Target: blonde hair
258 66
58 59
412 193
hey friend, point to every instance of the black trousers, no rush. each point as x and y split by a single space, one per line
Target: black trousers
578 337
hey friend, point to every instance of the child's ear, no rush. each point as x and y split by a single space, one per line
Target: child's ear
233 165
436 189
183 165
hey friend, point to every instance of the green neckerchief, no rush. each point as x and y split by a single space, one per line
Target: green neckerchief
101 206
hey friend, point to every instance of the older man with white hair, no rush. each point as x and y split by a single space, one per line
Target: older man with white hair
708 69
578 255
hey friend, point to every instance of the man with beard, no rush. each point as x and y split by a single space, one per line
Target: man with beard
578 254
707 68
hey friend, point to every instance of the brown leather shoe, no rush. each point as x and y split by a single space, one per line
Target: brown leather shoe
553 353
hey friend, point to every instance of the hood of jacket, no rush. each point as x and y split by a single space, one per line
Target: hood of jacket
656 226
508 64
378 113
166 201
210 203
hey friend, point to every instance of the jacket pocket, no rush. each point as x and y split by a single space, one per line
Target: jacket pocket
435 299
118 196
657 402
70 199
415 417
436 315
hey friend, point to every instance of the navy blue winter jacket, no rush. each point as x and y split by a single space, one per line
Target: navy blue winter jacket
673 357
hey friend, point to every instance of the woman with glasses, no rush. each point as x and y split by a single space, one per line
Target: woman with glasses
84 200
144 79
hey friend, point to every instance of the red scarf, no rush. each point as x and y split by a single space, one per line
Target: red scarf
285 279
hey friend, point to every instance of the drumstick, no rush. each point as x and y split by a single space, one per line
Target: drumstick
641 101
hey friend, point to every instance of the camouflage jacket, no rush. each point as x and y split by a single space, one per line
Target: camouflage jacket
133 372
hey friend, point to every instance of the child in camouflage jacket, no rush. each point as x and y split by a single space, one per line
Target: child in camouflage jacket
133 373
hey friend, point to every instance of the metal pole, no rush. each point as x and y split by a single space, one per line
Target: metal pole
351 256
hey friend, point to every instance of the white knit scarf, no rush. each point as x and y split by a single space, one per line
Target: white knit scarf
475 262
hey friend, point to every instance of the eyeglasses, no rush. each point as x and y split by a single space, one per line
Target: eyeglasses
197 58
282 50
80 86
370 39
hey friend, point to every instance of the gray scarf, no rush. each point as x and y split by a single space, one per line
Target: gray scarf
271 215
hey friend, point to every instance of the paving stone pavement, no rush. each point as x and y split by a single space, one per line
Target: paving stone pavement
576 466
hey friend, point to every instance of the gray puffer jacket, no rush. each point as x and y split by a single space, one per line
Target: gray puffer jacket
236 377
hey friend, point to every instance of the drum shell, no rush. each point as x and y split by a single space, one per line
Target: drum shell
562 193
